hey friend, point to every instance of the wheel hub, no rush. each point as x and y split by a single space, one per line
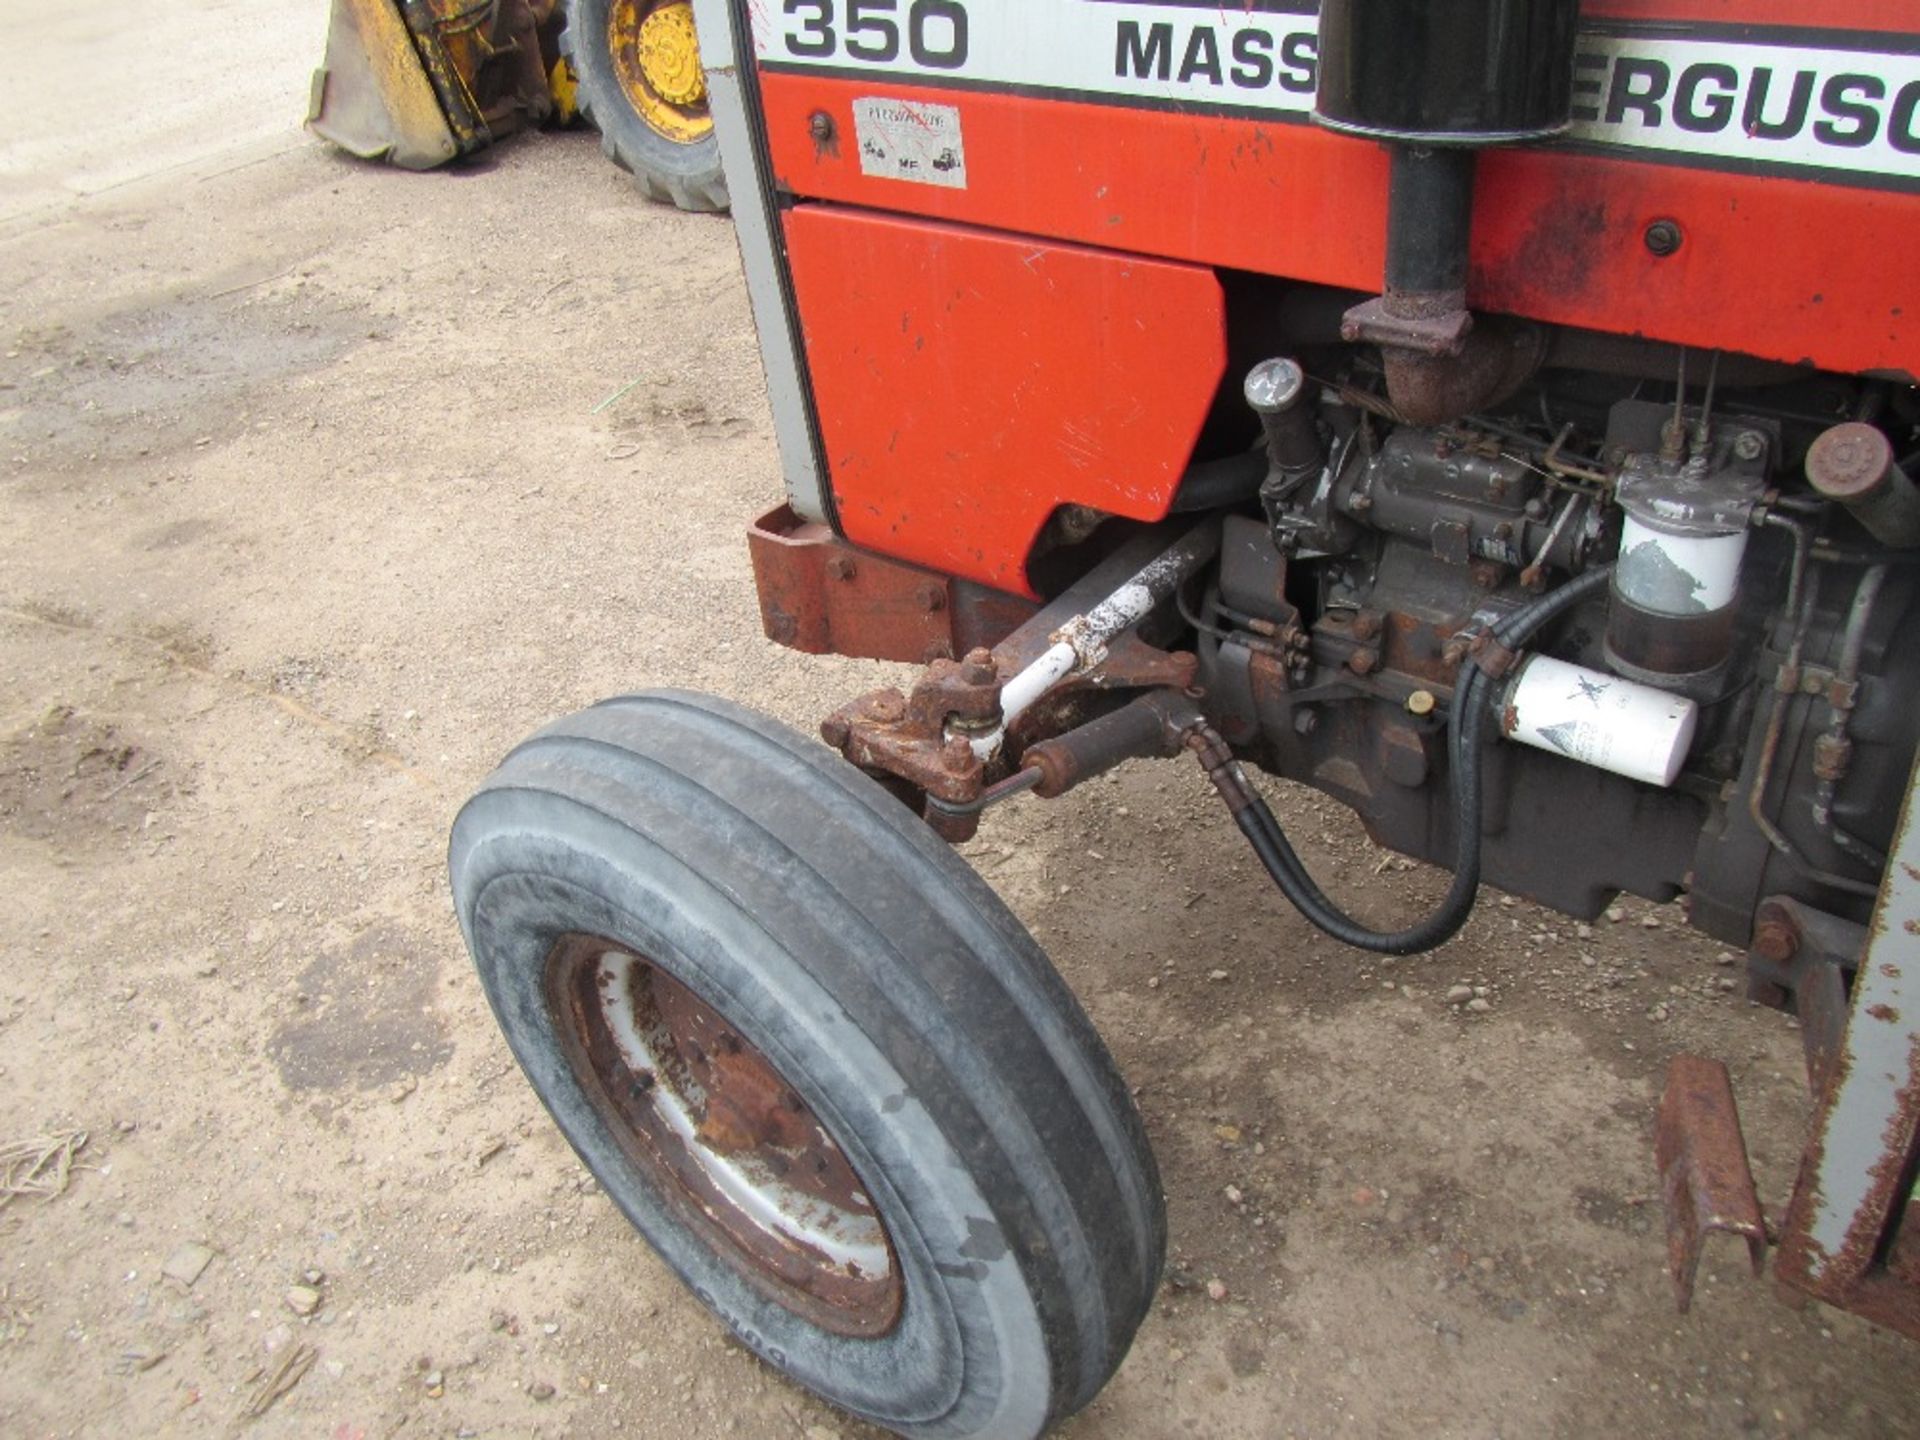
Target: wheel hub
656 55
723 1138
670 55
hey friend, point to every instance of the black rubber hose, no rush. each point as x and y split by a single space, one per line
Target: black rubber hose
1216 484
1465 733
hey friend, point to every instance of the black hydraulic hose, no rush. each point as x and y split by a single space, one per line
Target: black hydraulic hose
1465 733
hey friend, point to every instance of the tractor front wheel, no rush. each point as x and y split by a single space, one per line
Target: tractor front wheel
817 1063
640 83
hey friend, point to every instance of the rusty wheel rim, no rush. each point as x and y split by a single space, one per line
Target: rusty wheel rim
723 1138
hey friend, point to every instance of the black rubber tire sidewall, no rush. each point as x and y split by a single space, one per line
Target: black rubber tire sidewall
688 176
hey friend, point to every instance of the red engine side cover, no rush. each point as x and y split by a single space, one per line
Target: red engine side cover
1783 143
968 383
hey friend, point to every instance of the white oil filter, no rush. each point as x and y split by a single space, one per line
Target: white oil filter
1599 719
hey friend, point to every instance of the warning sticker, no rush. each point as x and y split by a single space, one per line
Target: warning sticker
904 140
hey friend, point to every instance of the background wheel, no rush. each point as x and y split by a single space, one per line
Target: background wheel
640 83
815 1060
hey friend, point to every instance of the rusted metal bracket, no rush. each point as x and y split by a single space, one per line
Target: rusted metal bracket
1801 960
823 596
906 735
932 739
1705 1178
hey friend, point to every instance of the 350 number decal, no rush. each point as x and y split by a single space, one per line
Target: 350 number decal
935 31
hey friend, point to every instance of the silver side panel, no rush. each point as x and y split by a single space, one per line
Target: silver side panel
1869 1124
722 49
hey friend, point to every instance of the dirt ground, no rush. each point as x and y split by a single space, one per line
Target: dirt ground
321 485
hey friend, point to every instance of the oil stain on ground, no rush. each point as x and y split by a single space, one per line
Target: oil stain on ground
368 1018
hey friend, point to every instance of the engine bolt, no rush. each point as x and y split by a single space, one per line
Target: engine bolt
820 126
1749 445
931 597
839 567
1363 662
1663 237
1421 702
977 668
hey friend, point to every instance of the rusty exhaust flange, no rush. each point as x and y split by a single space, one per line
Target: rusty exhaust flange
1705 1178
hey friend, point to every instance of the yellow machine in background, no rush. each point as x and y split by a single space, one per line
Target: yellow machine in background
420 83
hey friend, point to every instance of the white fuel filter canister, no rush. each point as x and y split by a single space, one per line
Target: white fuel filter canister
1676 584
1599 719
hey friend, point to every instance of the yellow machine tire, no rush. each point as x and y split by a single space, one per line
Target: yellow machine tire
641 86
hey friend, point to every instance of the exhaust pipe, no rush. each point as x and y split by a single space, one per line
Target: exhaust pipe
1437 84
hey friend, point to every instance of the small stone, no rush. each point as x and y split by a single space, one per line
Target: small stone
822 1432
552 1327
335 1369
1506 902
1218 975
403 1089
313 1276
1227 1134
187 1263
435 1379
1616 914
302 1299
1216 1290
1658 1013
540 1390
1259 1147
1584 932
1479 1005
1364 1196
1235 1196
1650 922
1459 994
276 1339
123 1219
497 1320
1176 1355
1153 982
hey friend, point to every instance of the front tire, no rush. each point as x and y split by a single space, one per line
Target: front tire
637 64
817 1063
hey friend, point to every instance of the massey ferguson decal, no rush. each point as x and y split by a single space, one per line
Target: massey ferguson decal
1843 107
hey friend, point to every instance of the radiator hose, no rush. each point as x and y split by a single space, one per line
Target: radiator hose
1466 733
